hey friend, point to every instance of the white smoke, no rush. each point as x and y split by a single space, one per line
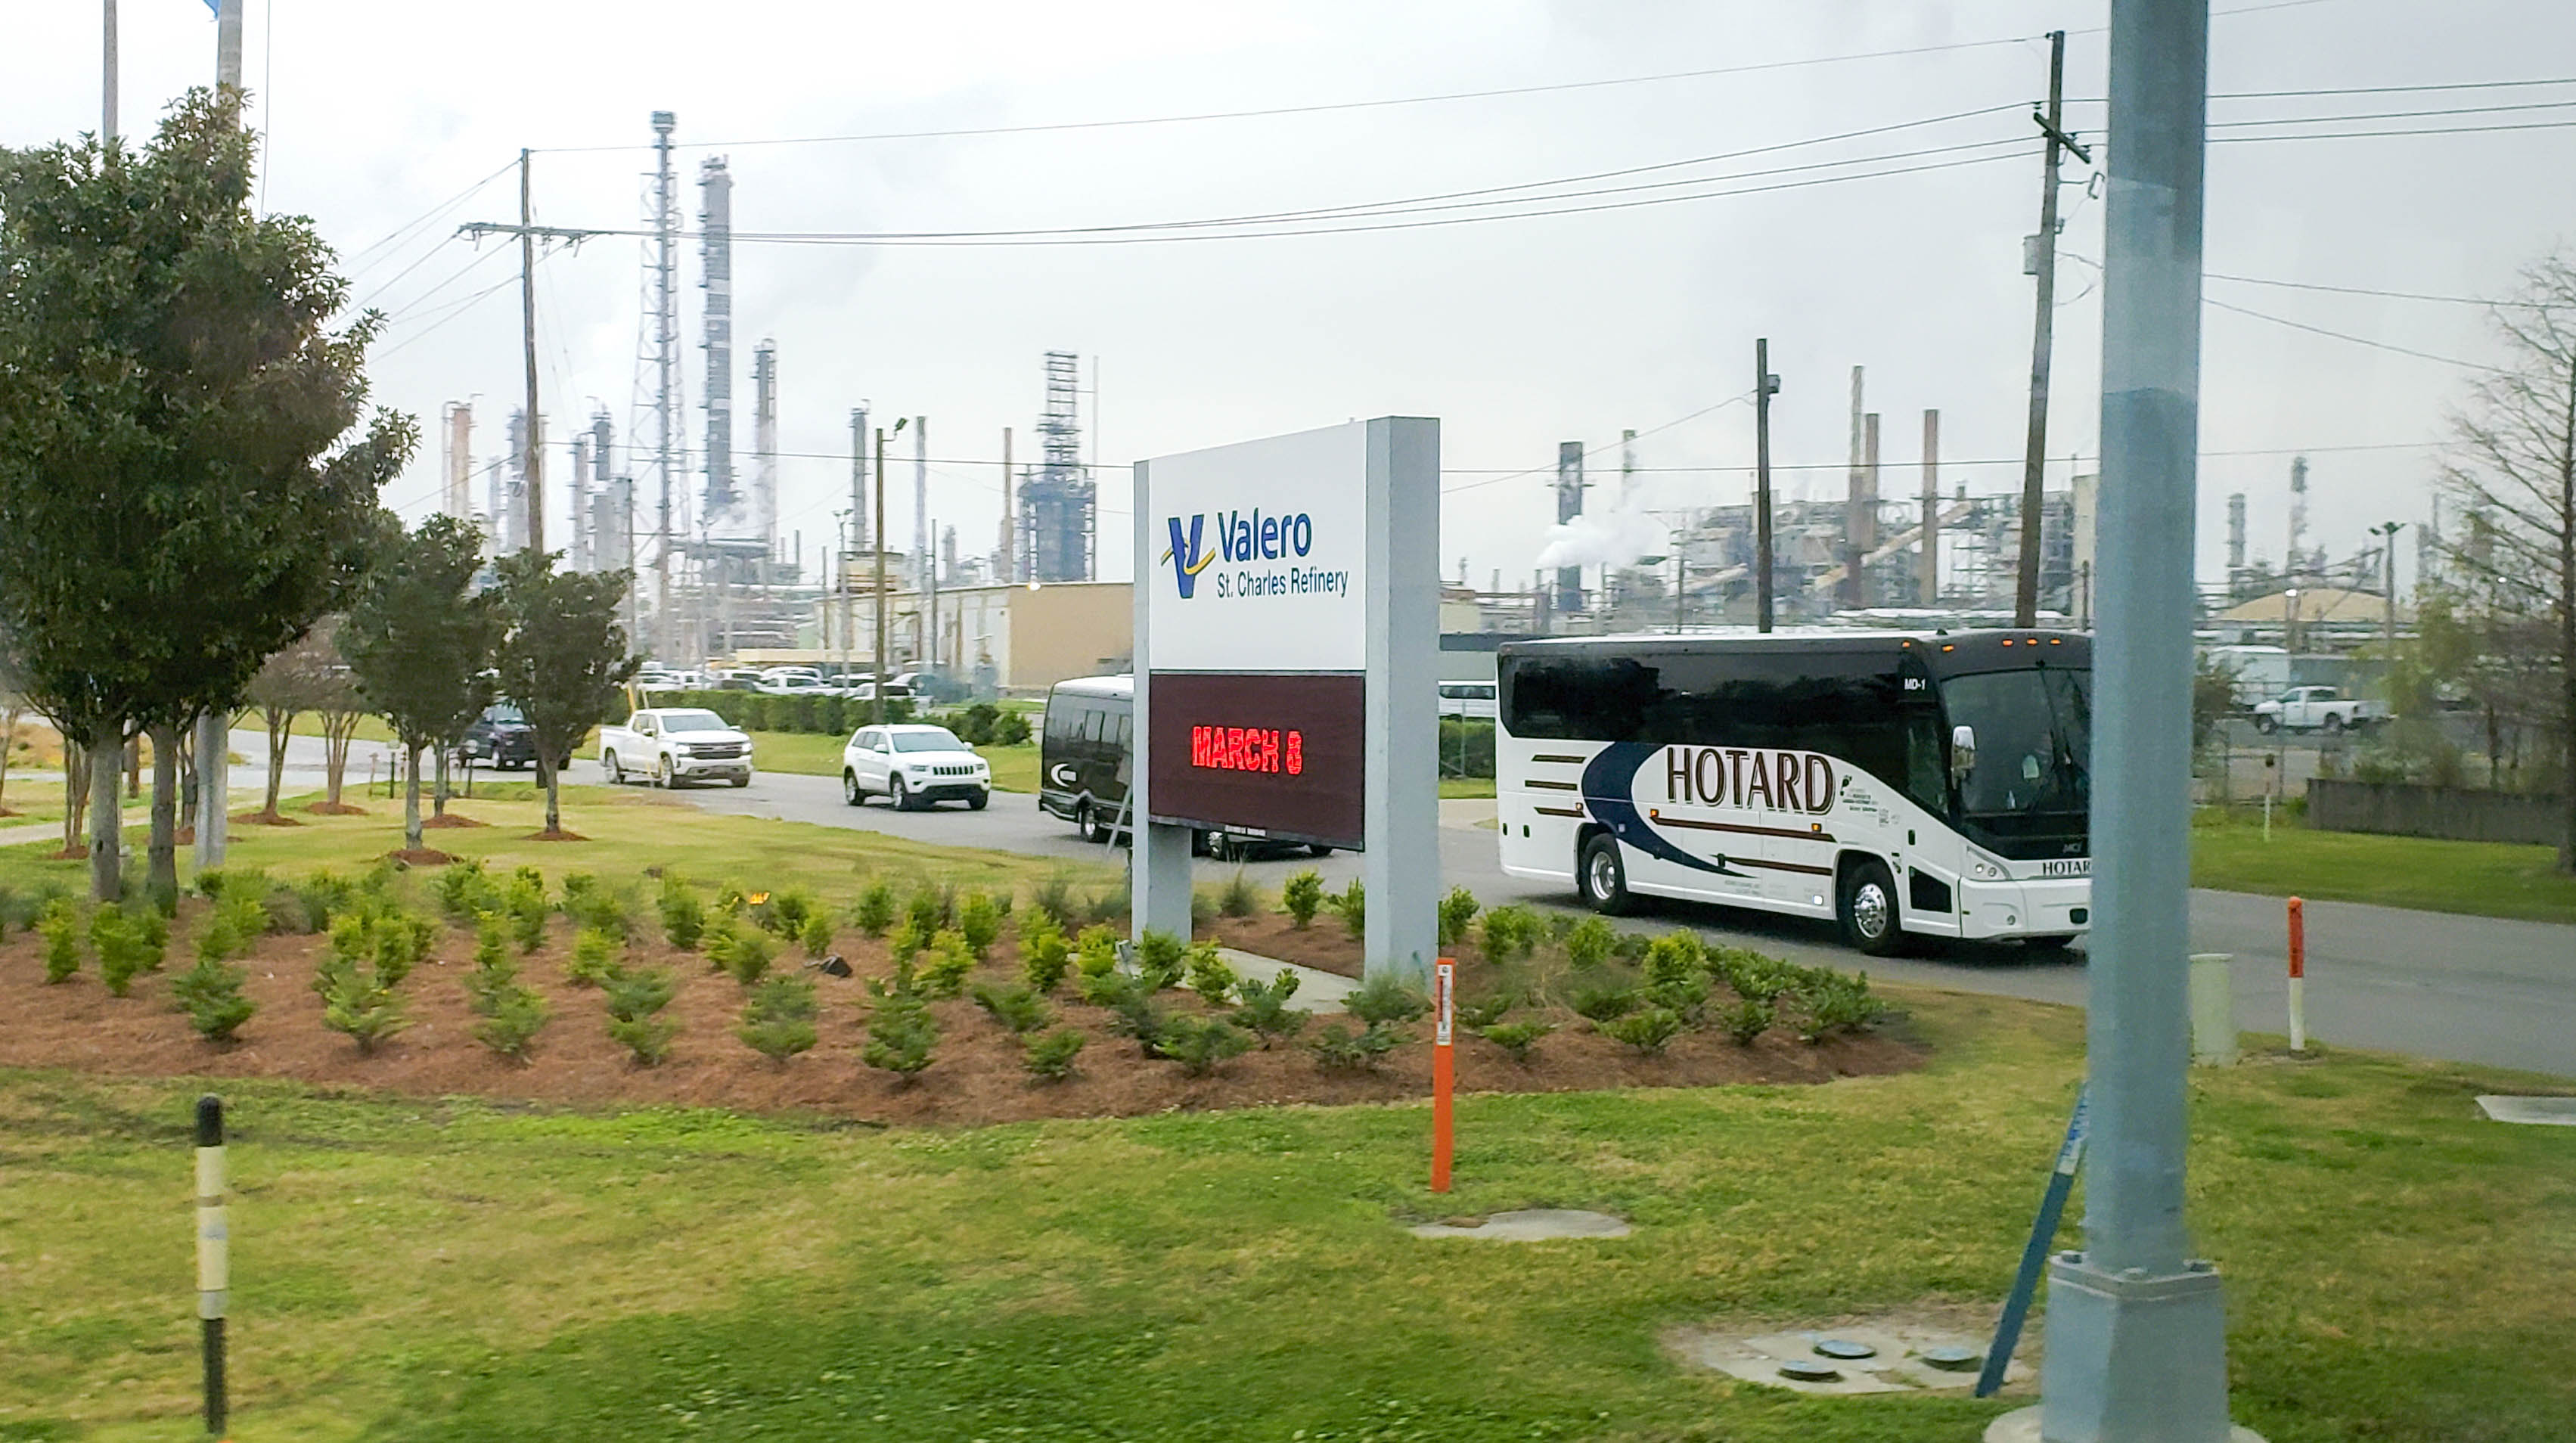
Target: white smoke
1608 538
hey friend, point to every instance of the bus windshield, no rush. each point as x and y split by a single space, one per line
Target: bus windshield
2034 735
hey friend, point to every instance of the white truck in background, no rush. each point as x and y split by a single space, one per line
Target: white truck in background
2317 708
673 745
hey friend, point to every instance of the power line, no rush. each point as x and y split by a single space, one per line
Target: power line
2358 290
2394 114
2422 130
2343 336
428 216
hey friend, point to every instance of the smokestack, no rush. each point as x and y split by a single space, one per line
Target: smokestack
580 499
456 497
1928 581
1569 504
715 227
1854 484
602 554
2235 533
510 517
764 444
2298 516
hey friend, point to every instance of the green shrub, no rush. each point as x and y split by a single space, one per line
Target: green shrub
1753 976
465 891
217 941
1605 1004
930 908
1382 999
1056 899
684 917
400 941
1747 1020
1133 1012
1352 903
1631 946
596 908
785 912
1301 896
1238 897
1045 955
1516 1038
495 970
1674 956
744 953
1015 1007
246 913
60 926
1202 1044
979 921
364 1008
512 1022
321 895
1096 950
1209 976
1511 933
1589 945
1338 1049
1479 1013
1457 910
1828 1002
950 962
778 1022
874 911
901 1036
906 943
732 900
211 994
124 946
525 901
576 886
1263 1007
1049 1056
1162 960
1647 1031
595 958
815 936
635 1000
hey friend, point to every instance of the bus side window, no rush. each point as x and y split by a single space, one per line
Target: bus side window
1125 721
1095 725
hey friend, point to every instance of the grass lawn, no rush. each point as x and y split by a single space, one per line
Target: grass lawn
408 1270
1456 787
629 829
2492 879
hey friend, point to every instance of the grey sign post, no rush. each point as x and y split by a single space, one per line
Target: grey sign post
1287 597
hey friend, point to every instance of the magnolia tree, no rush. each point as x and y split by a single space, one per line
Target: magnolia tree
419 640
563 656
188 477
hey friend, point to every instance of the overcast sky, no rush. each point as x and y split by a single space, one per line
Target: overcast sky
1517 333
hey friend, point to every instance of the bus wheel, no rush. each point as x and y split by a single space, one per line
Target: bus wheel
1868 910
1602 877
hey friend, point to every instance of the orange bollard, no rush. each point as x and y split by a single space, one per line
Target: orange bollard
1444 1070
2298 975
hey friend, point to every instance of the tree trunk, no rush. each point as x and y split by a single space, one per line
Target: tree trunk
134 767
335 759
278 722
161 877
8 741
187 753
411 798
2566 519
439 801
106 817
76 785
546 775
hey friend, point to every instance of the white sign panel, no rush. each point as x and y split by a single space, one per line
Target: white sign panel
1258 554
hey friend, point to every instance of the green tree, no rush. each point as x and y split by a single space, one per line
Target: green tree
185 480
419 638
562 655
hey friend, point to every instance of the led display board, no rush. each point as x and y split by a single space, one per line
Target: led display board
1271 756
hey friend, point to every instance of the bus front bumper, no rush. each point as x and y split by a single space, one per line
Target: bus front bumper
2039 908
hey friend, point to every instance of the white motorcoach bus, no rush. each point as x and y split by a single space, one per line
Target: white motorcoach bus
1898 783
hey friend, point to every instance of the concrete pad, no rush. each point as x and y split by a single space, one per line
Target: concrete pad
1895 1366
1318 991
1532 1225
2540 1111
1469 812
2022 1426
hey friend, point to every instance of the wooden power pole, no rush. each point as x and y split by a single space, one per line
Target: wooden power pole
529 233
1765 386
2043 264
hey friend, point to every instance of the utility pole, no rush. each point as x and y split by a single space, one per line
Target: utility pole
666 359
107 77
2136 1332
2043 264
228 44
2387 531
921 557
1929 583
878 668
1765 386
531 436
1010 571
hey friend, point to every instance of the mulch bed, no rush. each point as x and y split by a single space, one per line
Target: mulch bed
976 1076
335 809
425 857
451 820
266 819
557 835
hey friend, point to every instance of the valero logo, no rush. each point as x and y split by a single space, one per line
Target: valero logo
1187 559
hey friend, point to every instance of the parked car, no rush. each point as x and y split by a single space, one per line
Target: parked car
500 739
675 745
2317 708
913 767
1470 699
796 684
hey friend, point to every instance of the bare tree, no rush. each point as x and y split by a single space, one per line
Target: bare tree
2514 467
341 704
292 682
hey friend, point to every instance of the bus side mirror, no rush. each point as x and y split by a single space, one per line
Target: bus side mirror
1963 753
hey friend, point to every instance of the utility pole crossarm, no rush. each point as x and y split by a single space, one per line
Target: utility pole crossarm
481 228
2049 128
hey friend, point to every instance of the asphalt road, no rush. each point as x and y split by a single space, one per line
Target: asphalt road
2466 989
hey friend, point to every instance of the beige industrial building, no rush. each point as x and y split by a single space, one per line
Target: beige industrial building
1023 637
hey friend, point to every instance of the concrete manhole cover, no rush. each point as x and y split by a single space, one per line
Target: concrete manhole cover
2543 1111
1884 1355
1530 1225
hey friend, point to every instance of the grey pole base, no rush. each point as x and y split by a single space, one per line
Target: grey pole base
2133 1357
2022 1426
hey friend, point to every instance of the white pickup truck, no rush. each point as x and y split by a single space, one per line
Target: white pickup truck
673 745
2317 708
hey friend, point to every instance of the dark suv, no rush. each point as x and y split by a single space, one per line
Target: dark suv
499 739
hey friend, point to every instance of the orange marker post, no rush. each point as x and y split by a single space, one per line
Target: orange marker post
1444 1070
2298 975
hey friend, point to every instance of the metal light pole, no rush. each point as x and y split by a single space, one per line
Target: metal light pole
1765 386
107 76
2387 531
214 725
2136 1344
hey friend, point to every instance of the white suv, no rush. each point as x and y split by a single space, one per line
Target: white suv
912 767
